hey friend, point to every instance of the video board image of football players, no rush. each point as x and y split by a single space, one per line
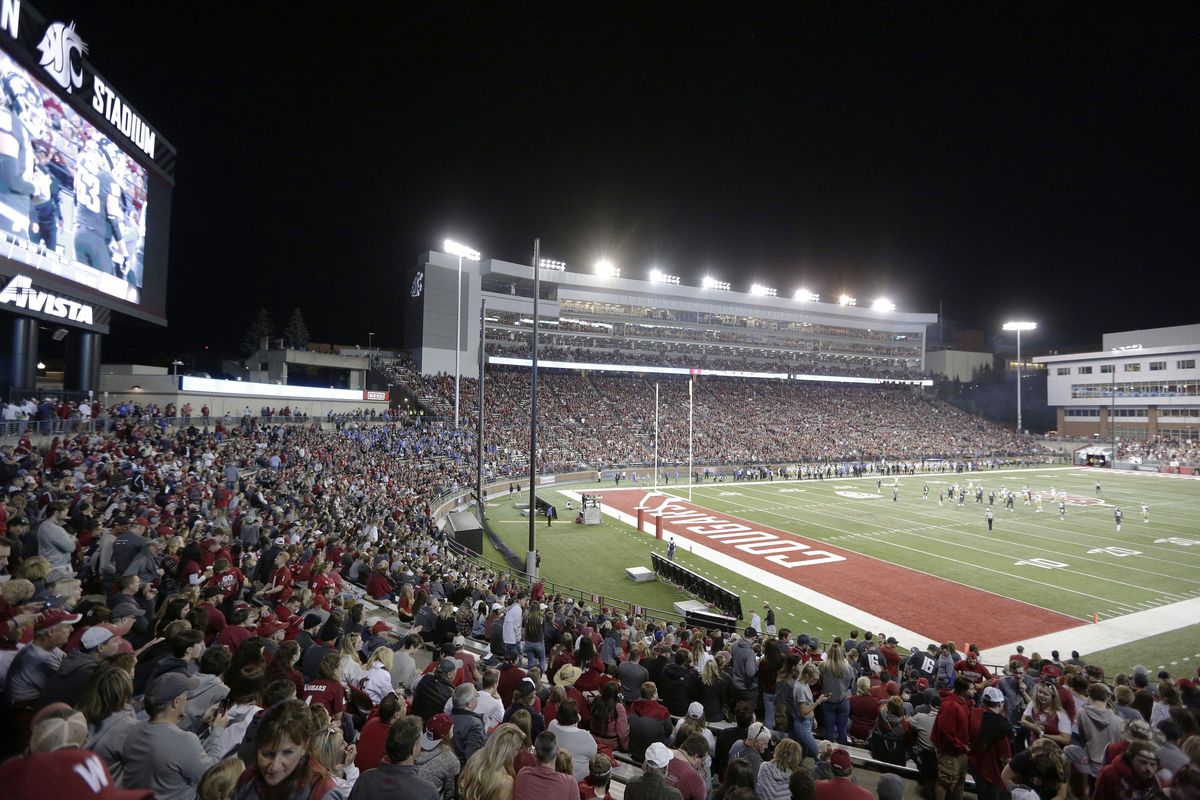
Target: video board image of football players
22 184
98 210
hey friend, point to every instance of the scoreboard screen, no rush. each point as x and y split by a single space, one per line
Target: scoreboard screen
84 197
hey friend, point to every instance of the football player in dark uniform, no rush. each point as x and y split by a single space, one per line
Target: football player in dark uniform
22 121
98 210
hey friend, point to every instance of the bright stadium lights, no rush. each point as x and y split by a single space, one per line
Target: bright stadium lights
883 304
606 269
461 250
847 300
805 296
712 283
550 263
758 290
1018 327
658 276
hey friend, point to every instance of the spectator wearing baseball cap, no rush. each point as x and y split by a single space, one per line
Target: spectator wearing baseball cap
35 663
159 755
990 748
652 783
436 763
758 736
78 775
66 685
57 726
840 786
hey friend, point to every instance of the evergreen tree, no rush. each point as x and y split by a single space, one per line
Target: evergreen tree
259 328
295 335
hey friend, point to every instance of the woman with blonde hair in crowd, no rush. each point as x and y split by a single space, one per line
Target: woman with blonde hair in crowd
837 680
329 748
864 710
700 654
376 679
774 775
1045 716
350 665
218 783
488 774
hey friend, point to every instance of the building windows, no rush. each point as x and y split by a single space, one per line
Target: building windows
1106 369
1134 367
1084 370
1156 366
1081 412
1179 413
1185 363
1063 371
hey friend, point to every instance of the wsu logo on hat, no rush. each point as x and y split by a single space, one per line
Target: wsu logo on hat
62 50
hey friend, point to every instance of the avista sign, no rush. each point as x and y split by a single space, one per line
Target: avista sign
20 293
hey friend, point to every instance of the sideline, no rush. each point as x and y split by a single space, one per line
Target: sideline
1113 632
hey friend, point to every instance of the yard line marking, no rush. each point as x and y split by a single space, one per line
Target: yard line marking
1010 574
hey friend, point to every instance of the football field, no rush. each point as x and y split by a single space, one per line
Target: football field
883 554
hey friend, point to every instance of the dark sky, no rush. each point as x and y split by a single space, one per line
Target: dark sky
1006 159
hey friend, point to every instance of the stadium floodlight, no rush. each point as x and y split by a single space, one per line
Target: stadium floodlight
658 276
462 251
847 300
550 263
606 269
883 304
805 296
1018 327
712 283
758 290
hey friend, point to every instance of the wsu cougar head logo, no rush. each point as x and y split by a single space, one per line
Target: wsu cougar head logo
57 49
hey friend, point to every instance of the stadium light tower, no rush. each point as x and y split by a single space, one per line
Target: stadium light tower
883 304
606 269
462 251
805 296
1018 327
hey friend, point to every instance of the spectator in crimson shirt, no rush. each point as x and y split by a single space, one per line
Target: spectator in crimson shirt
280 589
229 579
952 739
326 690
243 624
1132 775
973 668
379 586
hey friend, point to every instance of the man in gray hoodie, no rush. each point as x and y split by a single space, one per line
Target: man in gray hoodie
1097 726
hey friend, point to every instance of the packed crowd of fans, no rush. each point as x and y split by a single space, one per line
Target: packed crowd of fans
596 420
1161 450
181 616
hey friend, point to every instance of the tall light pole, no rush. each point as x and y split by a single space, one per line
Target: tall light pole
462 251
175 365
370 345
1018 327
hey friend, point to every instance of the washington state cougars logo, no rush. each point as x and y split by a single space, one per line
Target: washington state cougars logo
62 53
418 284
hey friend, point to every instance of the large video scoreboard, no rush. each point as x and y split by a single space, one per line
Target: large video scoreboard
85 183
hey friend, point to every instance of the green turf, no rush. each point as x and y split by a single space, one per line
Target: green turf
1079 566
1178 652
611 547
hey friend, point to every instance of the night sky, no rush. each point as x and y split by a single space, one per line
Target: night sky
1003 160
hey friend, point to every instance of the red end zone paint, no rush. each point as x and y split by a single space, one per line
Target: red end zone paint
943 609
